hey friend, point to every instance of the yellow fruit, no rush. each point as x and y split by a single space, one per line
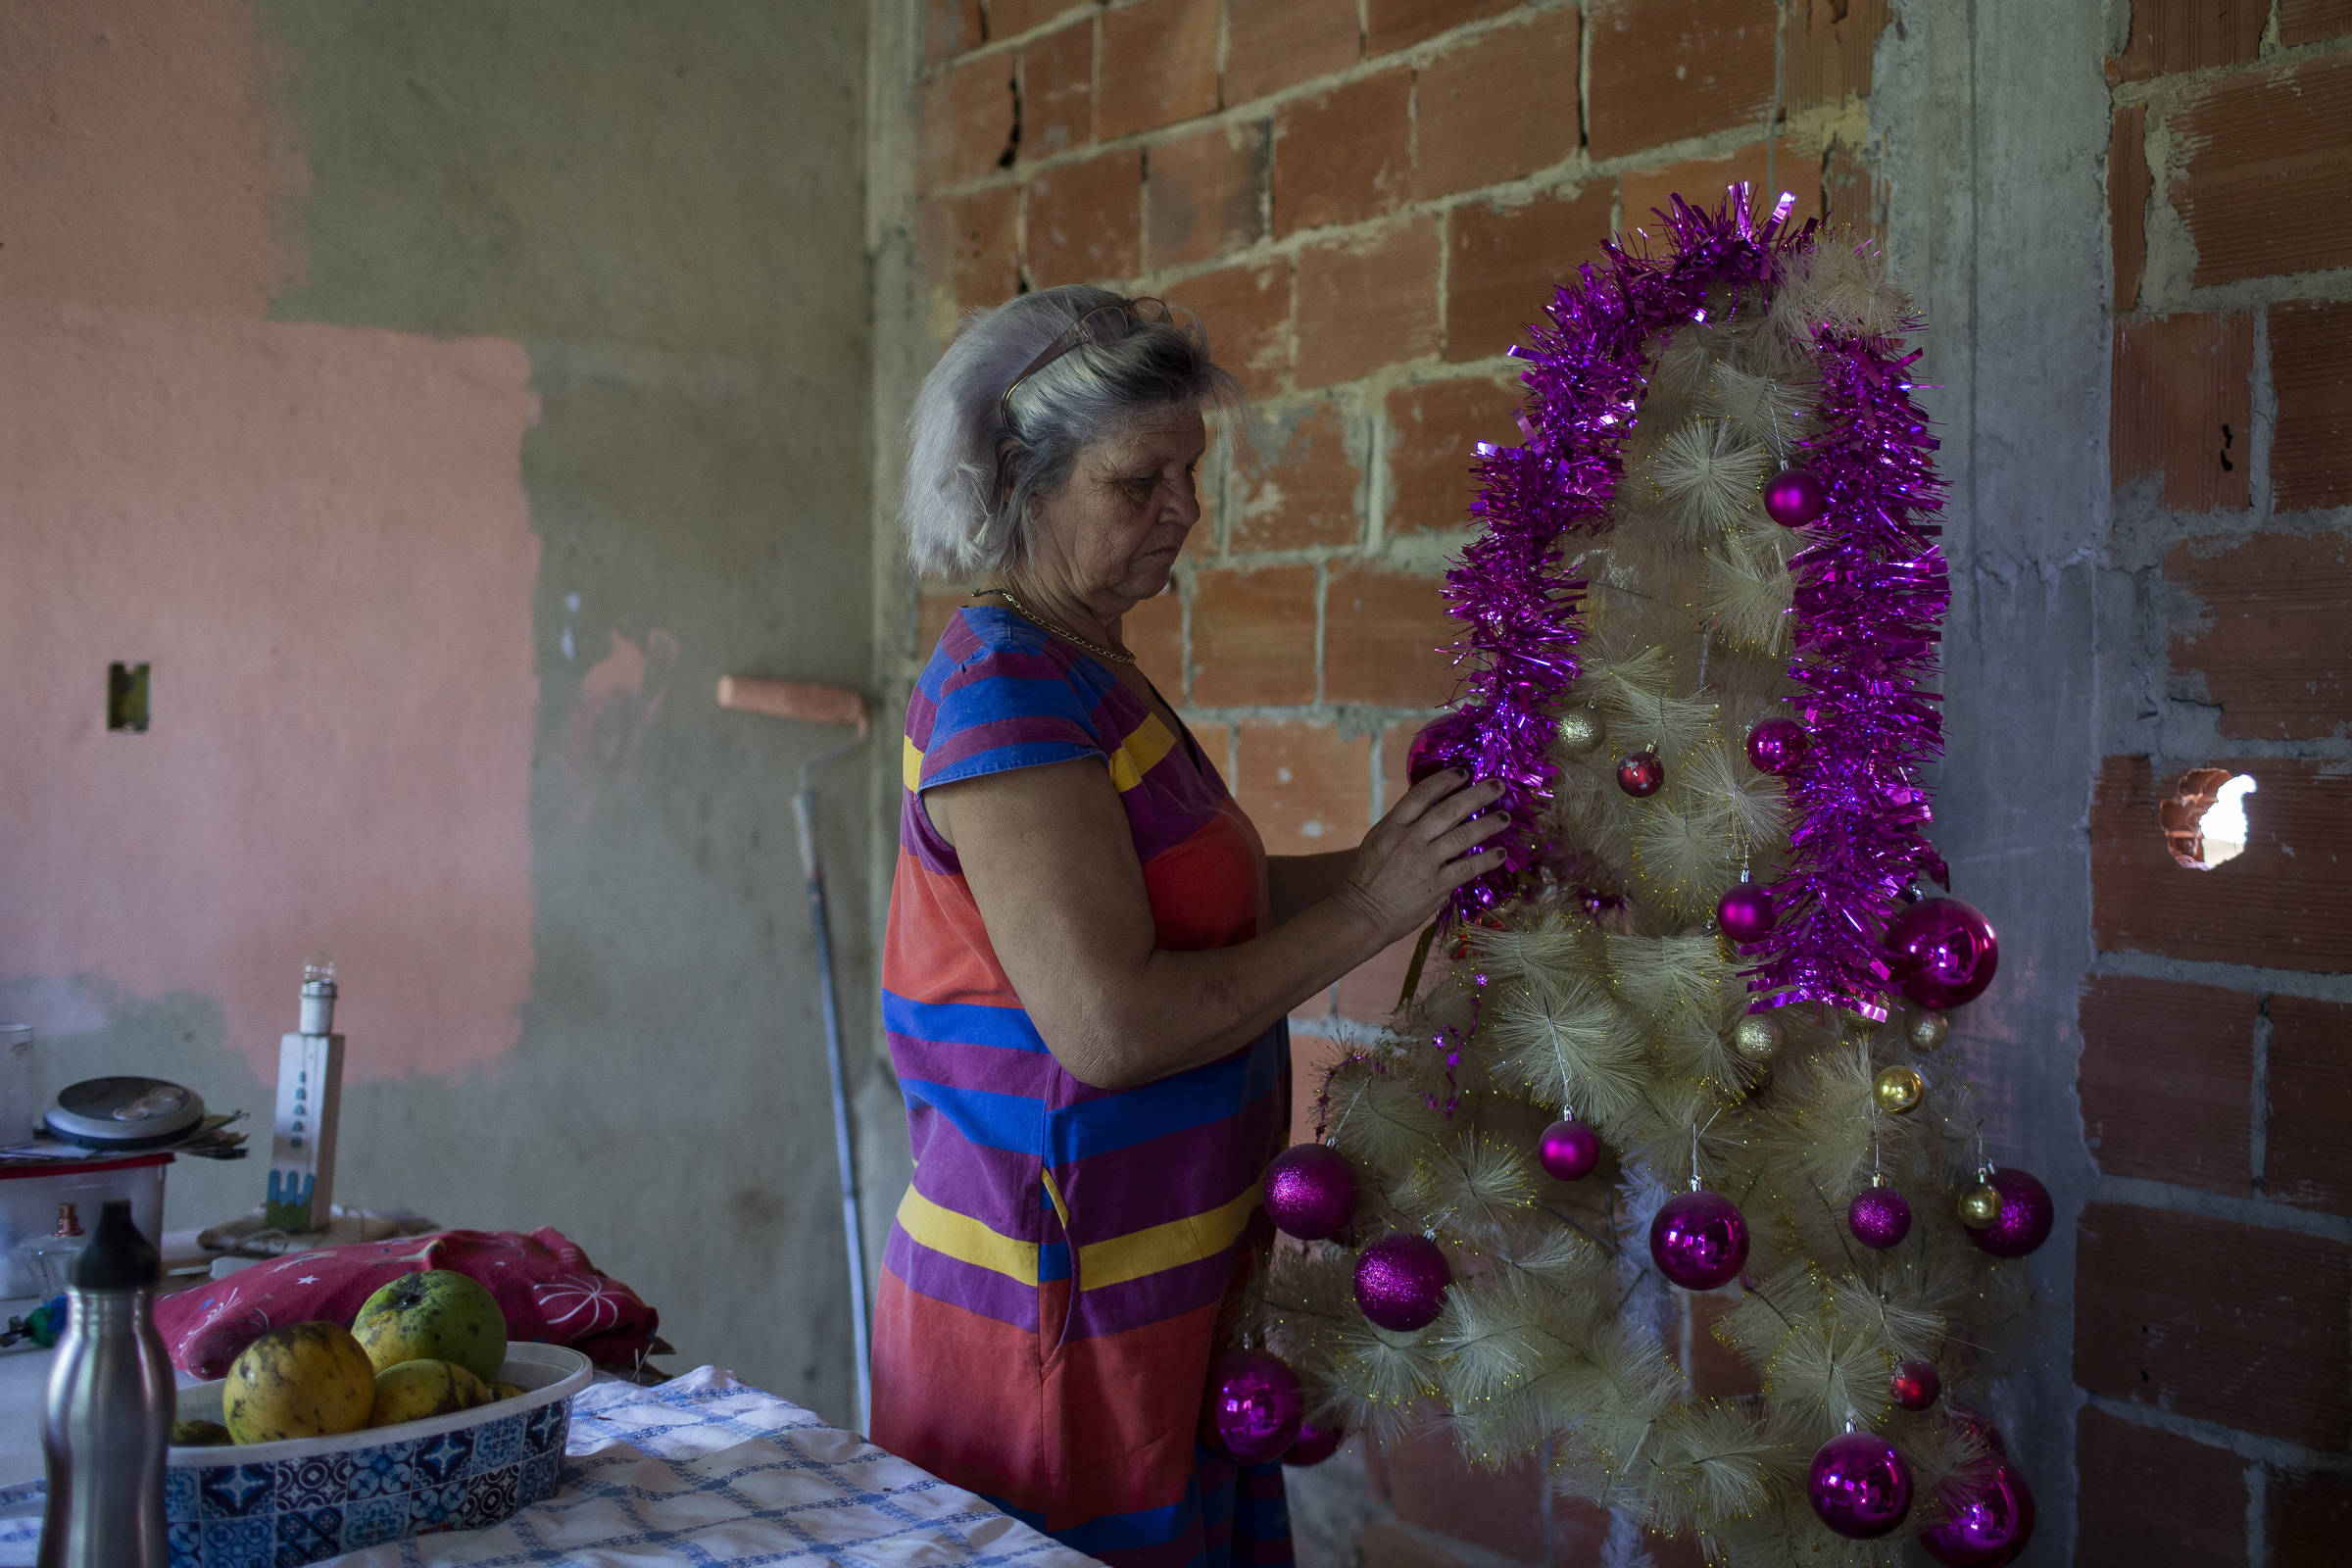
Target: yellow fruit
198 1434
440 1315
416 1390
306 1379
507 1390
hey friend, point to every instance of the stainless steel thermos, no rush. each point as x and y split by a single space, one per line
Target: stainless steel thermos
108 1424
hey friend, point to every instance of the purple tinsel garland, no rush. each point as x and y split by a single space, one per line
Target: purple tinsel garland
1870 596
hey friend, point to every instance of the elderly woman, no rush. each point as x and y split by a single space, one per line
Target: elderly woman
1090 956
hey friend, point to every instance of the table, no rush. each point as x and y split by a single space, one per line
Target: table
705 1469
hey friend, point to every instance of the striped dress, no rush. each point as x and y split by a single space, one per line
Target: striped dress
1052 1285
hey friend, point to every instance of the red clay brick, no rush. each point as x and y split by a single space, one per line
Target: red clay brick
1247 312
2306 1161
1253 637
1010 19
950 27
971 246
1826 50
1273 44
2269 158
1154 634
1312 1057
1058 91
2215 1321
2310 20
2183 404
968 121
1395 745
1380 1545
1499 106
2149 1497
2306 1519
1506 261
1707 181
1085 219
1297 483
2285 903
2311 367
1433 426
1381 635
1390 24
1343 155
2271 654
2129 183
1368 992
2167 1081
1308 789
1160 65
2174 35
1368 302
1667 70
1849 190
1204 194
1436 1487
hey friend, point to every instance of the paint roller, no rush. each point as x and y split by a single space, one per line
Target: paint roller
809 704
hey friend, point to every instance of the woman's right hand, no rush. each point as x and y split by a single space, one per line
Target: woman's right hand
1420 853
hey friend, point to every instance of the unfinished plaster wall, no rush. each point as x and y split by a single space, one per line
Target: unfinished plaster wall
440 399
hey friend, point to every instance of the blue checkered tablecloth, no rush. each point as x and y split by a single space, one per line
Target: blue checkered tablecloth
709 1471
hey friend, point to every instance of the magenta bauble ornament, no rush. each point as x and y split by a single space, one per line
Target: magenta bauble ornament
1974 1426
1860 1485
1777 745
1989 1518
1568 1150
1746 912
1317 1440
1253 1406
1699 1240
1310 1192
1944 953
1915 1385
1401 1282
1446 740
1639 773
1879 1217
1795 497
2026 1214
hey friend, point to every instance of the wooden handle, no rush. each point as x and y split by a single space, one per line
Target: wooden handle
792 699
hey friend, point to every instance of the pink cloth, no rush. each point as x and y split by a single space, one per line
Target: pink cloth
545 1285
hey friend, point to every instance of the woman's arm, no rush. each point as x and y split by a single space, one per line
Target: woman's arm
1299 880
1051 861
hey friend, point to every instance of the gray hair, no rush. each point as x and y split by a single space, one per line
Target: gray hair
972 477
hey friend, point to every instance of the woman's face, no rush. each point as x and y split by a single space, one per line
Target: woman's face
1110 535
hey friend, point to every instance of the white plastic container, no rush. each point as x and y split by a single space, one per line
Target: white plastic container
30 1193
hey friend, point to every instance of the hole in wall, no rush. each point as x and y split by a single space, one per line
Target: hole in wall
2204 819
2229 437
126 697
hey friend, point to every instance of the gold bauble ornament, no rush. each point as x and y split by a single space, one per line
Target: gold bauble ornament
1580 731
1979 1204
1759 1038
1898 1088
1928 1030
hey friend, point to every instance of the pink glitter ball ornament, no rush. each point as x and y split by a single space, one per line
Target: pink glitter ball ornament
1254 1407
1946 953
1568 1150
1777 745
1989 1518
1746 912
1310 1192
2027 1213
1915 1385
1317 1440
1640 774
1879 1217
1401 1282
1795 497
1448 740
1699 1240
1859 1484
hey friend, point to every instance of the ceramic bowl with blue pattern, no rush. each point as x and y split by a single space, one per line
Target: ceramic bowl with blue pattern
281 1504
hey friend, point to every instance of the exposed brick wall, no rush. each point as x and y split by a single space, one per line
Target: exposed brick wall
2214 1267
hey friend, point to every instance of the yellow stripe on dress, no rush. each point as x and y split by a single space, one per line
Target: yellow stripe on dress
1139 753
965 1240
1165 1247
910 764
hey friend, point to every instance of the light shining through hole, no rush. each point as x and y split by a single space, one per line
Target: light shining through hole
2221 830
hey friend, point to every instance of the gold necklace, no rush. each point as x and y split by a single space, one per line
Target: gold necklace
1117 656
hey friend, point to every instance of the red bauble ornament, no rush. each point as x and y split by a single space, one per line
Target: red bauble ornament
1746 912
1944 952
1777 745
1401 1282
1640 774
1310 1192
1317 1442
1915 1385
1975 1425
2027 1213
1989 1518
1699 1240
1253 1406
1569 1150
1860 1485
1442 743
1795 497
